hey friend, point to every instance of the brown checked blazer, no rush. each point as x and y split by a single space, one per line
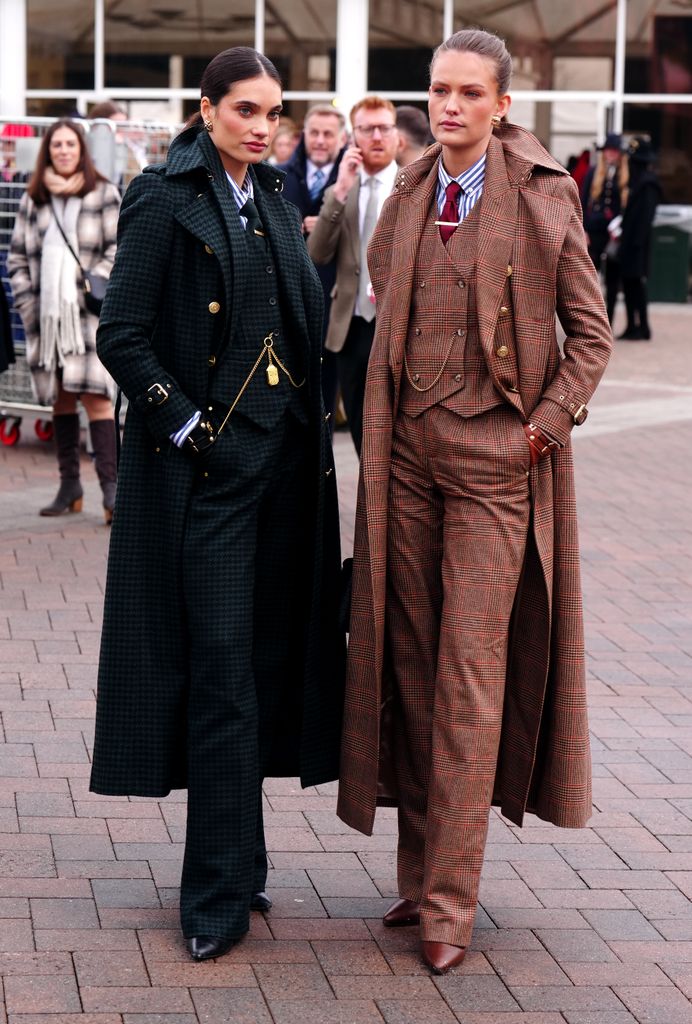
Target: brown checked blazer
336 234
531 263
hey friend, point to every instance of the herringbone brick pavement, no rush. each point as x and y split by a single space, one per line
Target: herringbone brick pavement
573 927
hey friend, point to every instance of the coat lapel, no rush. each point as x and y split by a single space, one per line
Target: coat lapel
498 213
413 212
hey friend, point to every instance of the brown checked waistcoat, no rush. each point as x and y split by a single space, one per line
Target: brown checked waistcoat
443 355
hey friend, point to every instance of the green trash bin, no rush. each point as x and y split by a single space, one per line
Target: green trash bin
670 264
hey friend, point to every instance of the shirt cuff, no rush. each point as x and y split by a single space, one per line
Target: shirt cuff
181 435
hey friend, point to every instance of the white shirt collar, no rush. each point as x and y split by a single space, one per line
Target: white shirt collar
385 177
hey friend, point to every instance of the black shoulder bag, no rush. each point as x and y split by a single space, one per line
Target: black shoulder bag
93 285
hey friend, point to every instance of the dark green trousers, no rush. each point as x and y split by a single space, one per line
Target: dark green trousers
246 585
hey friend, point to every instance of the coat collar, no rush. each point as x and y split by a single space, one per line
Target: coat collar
523 154
193 151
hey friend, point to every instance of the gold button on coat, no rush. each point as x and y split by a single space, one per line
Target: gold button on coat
212 360
503 351
208 248
509 270
504 309
214 307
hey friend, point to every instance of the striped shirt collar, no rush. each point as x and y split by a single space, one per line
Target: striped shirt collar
241 195
470 180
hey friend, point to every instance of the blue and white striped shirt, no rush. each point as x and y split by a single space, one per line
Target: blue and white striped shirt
242 194
471 182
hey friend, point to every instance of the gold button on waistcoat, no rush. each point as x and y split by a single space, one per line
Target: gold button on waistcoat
214 307
503 351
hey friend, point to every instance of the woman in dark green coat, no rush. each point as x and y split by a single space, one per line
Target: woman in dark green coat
221 657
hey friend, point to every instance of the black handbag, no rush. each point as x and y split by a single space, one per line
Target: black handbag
93 285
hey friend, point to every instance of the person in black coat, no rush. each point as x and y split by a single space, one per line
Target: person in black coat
312 169
634 252
222 659
603 198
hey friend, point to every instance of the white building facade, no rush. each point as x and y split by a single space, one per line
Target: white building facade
580 69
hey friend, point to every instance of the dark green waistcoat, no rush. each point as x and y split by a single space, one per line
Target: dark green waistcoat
261 317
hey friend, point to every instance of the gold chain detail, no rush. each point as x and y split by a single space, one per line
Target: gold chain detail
268 344
437 376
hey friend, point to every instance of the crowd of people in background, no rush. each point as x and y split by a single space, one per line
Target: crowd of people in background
619 194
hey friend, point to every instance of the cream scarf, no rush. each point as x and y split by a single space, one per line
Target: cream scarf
60 327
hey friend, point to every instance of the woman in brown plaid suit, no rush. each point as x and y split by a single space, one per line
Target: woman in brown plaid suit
466 668
67 201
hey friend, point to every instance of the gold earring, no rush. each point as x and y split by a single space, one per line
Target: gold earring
209 126
496 119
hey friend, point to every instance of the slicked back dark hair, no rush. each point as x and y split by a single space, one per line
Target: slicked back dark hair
228 67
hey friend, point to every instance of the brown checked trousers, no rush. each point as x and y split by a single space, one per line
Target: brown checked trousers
459 515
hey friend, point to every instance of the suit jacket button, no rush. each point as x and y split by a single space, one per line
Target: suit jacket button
457 377
504 309
208 249
214 307
272 301
418 331
502 351
509 270
416 377
212 360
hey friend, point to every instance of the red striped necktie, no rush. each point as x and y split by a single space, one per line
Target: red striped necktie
450 210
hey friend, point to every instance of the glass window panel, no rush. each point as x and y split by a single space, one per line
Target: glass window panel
60 45
669 126
554 45
659 46
170 42
401 37
300 38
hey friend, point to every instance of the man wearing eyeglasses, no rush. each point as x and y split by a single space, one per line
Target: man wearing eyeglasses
343 228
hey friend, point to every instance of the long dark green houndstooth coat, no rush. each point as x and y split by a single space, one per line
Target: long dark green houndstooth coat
160 325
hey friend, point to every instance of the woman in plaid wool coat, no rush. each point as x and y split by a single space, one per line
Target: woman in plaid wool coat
465 679
46 283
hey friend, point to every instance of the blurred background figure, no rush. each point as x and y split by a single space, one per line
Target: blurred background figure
604 196
131 139
342 231
414 134
579 166
284 142
67 190
313 168
634 252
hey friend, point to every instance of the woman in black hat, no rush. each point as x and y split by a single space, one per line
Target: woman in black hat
635 241
604 197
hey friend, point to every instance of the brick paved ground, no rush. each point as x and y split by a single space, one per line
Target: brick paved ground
587 927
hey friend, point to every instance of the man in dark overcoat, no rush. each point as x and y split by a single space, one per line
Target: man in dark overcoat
175 705
311 170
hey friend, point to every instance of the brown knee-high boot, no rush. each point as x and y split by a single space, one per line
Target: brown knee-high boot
103 443
69 496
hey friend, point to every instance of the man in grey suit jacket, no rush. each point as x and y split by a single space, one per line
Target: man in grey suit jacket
342 231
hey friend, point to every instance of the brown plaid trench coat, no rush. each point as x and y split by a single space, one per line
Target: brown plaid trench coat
531 257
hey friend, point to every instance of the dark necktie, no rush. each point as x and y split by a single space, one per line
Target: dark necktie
450 211
254 224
